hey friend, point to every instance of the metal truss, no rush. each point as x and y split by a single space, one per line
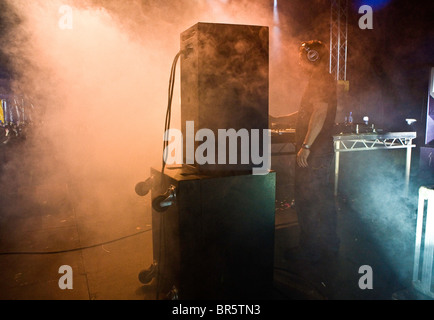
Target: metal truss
371 141
339 39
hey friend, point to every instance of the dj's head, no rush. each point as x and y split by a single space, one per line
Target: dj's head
313 53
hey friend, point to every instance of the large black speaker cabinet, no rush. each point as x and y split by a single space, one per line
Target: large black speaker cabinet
224 85
216 241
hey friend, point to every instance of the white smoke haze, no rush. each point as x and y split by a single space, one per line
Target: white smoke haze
97 97
101 88
385 215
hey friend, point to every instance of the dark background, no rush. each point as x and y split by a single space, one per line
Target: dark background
393 59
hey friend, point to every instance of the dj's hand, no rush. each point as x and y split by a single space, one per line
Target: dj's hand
302 156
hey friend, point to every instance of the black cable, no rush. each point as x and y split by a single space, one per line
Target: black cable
307 282
169 107
74 249
165 144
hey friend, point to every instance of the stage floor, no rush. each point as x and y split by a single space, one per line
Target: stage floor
107 249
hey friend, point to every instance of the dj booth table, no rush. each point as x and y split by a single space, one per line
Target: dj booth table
284 140
374 141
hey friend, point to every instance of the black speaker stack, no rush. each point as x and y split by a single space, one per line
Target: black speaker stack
213 223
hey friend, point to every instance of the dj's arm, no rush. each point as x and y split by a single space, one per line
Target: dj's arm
287 121
316 123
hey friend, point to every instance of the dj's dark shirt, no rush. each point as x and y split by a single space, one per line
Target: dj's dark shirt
321 88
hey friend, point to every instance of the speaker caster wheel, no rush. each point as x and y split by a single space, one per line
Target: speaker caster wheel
146 276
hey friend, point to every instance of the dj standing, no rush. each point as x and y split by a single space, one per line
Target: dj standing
314 199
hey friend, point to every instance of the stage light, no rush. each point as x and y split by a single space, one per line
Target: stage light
276 28
276 13
375 4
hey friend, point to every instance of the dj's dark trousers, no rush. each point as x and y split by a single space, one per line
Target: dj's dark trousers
315 206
